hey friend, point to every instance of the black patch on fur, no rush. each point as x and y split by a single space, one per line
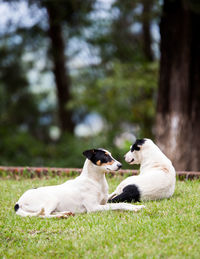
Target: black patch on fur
16 207
130 193
138 142
96 155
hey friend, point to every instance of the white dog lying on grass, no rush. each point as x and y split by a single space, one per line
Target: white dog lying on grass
86 193
157 176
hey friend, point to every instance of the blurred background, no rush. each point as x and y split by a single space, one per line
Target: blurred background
98 73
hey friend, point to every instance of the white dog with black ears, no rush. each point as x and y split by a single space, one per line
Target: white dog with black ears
157 176
86 193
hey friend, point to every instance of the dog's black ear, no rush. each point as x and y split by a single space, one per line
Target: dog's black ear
138 143
89 153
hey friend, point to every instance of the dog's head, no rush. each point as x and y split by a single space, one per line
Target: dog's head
103 159
134 156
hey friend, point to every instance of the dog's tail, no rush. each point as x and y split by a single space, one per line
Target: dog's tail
16 207
130 193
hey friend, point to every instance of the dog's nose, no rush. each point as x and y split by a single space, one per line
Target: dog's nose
119 166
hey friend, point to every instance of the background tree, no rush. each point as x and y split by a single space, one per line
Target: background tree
60 69
178 107
74 15
61 21
146 17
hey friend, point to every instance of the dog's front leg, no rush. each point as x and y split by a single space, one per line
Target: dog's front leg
62 214
117 206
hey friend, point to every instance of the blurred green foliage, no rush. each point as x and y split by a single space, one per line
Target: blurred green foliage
23 149
126 94
121 87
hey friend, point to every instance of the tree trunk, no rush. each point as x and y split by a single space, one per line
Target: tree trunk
60 71
146 29
178 106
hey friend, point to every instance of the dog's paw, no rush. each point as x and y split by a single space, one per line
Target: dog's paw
69 213
66 215
138 207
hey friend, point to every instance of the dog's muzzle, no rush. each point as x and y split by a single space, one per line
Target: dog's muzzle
130 161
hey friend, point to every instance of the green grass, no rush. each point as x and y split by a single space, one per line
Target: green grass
165 229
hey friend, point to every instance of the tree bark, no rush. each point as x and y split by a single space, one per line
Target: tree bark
178 105
146 29
60 70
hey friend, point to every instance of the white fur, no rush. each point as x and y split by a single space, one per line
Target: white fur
157 176
86 193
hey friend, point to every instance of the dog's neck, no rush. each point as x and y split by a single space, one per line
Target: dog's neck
91 171
153 158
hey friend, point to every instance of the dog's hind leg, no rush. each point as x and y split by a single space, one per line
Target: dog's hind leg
130 193
26 209
24 213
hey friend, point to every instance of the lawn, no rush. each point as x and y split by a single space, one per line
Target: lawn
164 229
